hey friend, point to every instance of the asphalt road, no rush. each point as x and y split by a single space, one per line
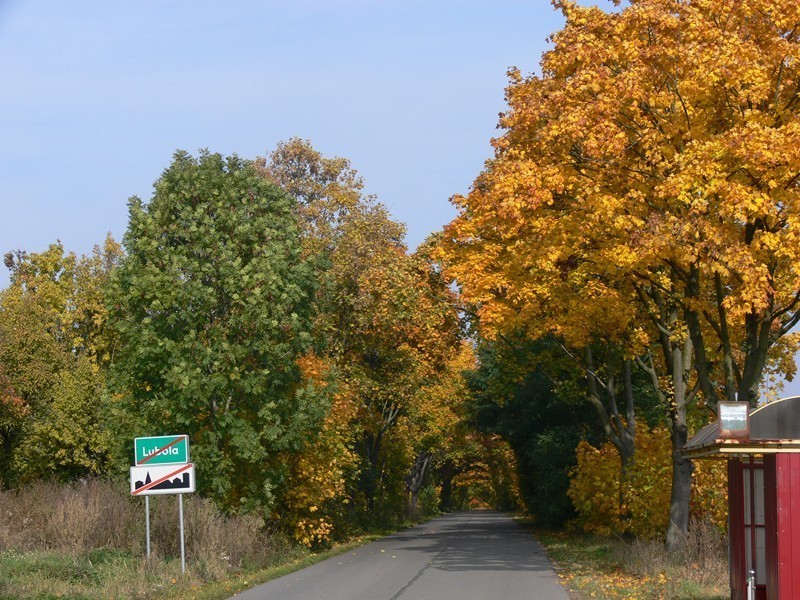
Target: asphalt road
478 555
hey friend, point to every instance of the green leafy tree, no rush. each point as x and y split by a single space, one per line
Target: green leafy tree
528 393
213 304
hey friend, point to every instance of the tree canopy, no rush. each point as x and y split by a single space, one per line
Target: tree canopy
645 191
54 345
652 163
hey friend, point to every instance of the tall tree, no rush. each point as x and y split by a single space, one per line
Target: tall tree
384 319
213 304
653 166
327 189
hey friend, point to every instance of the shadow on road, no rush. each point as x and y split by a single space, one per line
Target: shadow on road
486 541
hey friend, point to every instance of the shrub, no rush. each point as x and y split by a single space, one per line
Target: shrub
74 518
594 489
313 505
710 493
429 499
639 505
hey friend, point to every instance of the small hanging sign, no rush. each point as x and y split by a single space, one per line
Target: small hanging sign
734 420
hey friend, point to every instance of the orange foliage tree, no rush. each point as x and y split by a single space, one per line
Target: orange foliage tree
317 500
386 323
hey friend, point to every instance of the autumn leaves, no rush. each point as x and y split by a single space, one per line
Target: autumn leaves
640 213
644 194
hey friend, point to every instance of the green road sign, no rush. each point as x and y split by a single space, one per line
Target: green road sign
161 450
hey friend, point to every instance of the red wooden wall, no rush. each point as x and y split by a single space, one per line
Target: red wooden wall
782 483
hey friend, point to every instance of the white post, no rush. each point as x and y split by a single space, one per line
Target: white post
147 522
183 548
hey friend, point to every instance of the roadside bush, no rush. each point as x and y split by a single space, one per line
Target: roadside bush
710 492
639 505
314 505
429 499
594 489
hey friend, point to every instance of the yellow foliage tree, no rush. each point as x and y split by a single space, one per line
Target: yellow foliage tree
317 497
54 346
385 321
648 182
640 503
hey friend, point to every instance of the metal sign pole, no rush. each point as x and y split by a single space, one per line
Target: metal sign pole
147 522
183 548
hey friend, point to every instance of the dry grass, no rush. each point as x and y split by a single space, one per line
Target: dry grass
78 517
704 561
597 567
88 540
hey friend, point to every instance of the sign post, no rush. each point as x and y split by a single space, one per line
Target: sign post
147 522
162 467
183 545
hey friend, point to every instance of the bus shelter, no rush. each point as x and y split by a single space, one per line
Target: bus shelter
762 447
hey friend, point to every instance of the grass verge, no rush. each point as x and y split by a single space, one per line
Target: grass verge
598 567
120 574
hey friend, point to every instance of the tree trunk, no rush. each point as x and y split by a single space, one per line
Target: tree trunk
681 491
677 365
620 432
7 436
414 482
682 468
370 471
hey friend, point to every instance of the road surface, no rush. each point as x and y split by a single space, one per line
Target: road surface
479 555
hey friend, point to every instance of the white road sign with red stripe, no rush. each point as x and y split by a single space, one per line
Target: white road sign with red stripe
148 480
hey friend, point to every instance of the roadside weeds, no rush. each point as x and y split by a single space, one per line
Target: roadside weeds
591 566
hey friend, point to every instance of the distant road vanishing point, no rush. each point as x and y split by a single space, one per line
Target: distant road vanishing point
479 555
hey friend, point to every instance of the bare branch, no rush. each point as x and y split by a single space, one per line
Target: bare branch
582 366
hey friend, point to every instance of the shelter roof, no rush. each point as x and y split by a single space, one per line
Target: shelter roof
774 427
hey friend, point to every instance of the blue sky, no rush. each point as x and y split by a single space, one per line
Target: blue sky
97 96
